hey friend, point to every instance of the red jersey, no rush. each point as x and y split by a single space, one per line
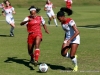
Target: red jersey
68 3
34 26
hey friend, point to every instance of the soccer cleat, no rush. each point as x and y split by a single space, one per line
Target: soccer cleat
56 25
49 22
76 56
32 61
75 69
11 34
35 63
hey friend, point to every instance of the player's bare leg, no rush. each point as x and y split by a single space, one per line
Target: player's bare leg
12 29
37 50
30 51
55 20
73 56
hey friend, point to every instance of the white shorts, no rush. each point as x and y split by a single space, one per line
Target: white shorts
76 40
10 20
50 14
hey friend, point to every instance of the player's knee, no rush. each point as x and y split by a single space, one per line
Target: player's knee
63 54
13 26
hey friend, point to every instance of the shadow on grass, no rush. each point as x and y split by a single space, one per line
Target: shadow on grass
19 61
4 35
91 26
58 67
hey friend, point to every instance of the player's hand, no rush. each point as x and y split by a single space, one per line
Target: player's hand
46 31
48 10
29 19
68 42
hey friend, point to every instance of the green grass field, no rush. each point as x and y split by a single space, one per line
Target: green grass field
57 3
14 59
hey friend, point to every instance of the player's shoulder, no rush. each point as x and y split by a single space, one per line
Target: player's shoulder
46 5
68 20
10 7
28 16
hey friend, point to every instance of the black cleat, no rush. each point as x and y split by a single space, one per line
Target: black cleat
35 63
49 22
11 34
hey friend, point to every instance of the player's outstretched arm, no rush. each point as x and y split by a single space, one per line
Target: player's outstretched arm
24 22
45 28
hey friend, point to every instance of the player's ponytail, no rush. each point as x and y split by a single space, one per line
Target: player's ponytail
66 10
38 10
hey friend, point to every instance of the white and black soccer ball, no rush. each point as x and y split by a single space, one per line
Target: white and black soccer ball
43 67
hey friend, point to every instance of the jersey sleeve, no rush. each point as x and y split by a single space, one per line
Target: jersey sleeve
3 10
26 20
72 23
71 1
12 8
45 6
42 20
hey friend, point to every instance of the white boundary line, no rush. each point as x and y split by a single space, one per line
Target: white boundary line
82 71
55 25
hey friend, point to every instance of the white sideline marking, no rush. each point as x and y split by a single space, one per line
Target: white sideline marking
82 71
55 25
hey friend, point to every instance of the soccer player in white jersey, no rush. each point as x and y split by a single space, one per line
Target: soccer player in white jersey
8 12
72 38
50 13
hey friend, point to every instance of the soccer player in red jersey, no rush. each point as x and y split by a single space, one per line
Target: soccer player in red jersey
68 3
72 37
33 23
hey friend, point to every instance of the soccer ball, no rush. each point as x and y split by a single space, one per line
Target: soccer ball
43 67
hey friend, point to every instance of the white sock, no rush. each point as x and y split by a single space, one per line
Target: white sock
68 55
55 22
74 60
12 30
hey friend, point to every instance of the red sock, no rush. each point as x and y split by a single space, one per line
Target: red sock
36 54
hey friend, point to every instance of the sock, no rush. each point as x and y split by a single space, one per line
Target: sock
68 55
32 56
74 60
12 30
55 22
36 54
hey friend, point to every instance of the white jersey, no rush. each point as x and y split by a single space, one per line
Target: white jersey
50 11
9 14
49 7
69 31
8 11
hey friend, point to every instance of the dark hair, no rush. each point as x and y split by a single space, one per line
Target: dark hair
37 9
6 1
64 9
46 2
